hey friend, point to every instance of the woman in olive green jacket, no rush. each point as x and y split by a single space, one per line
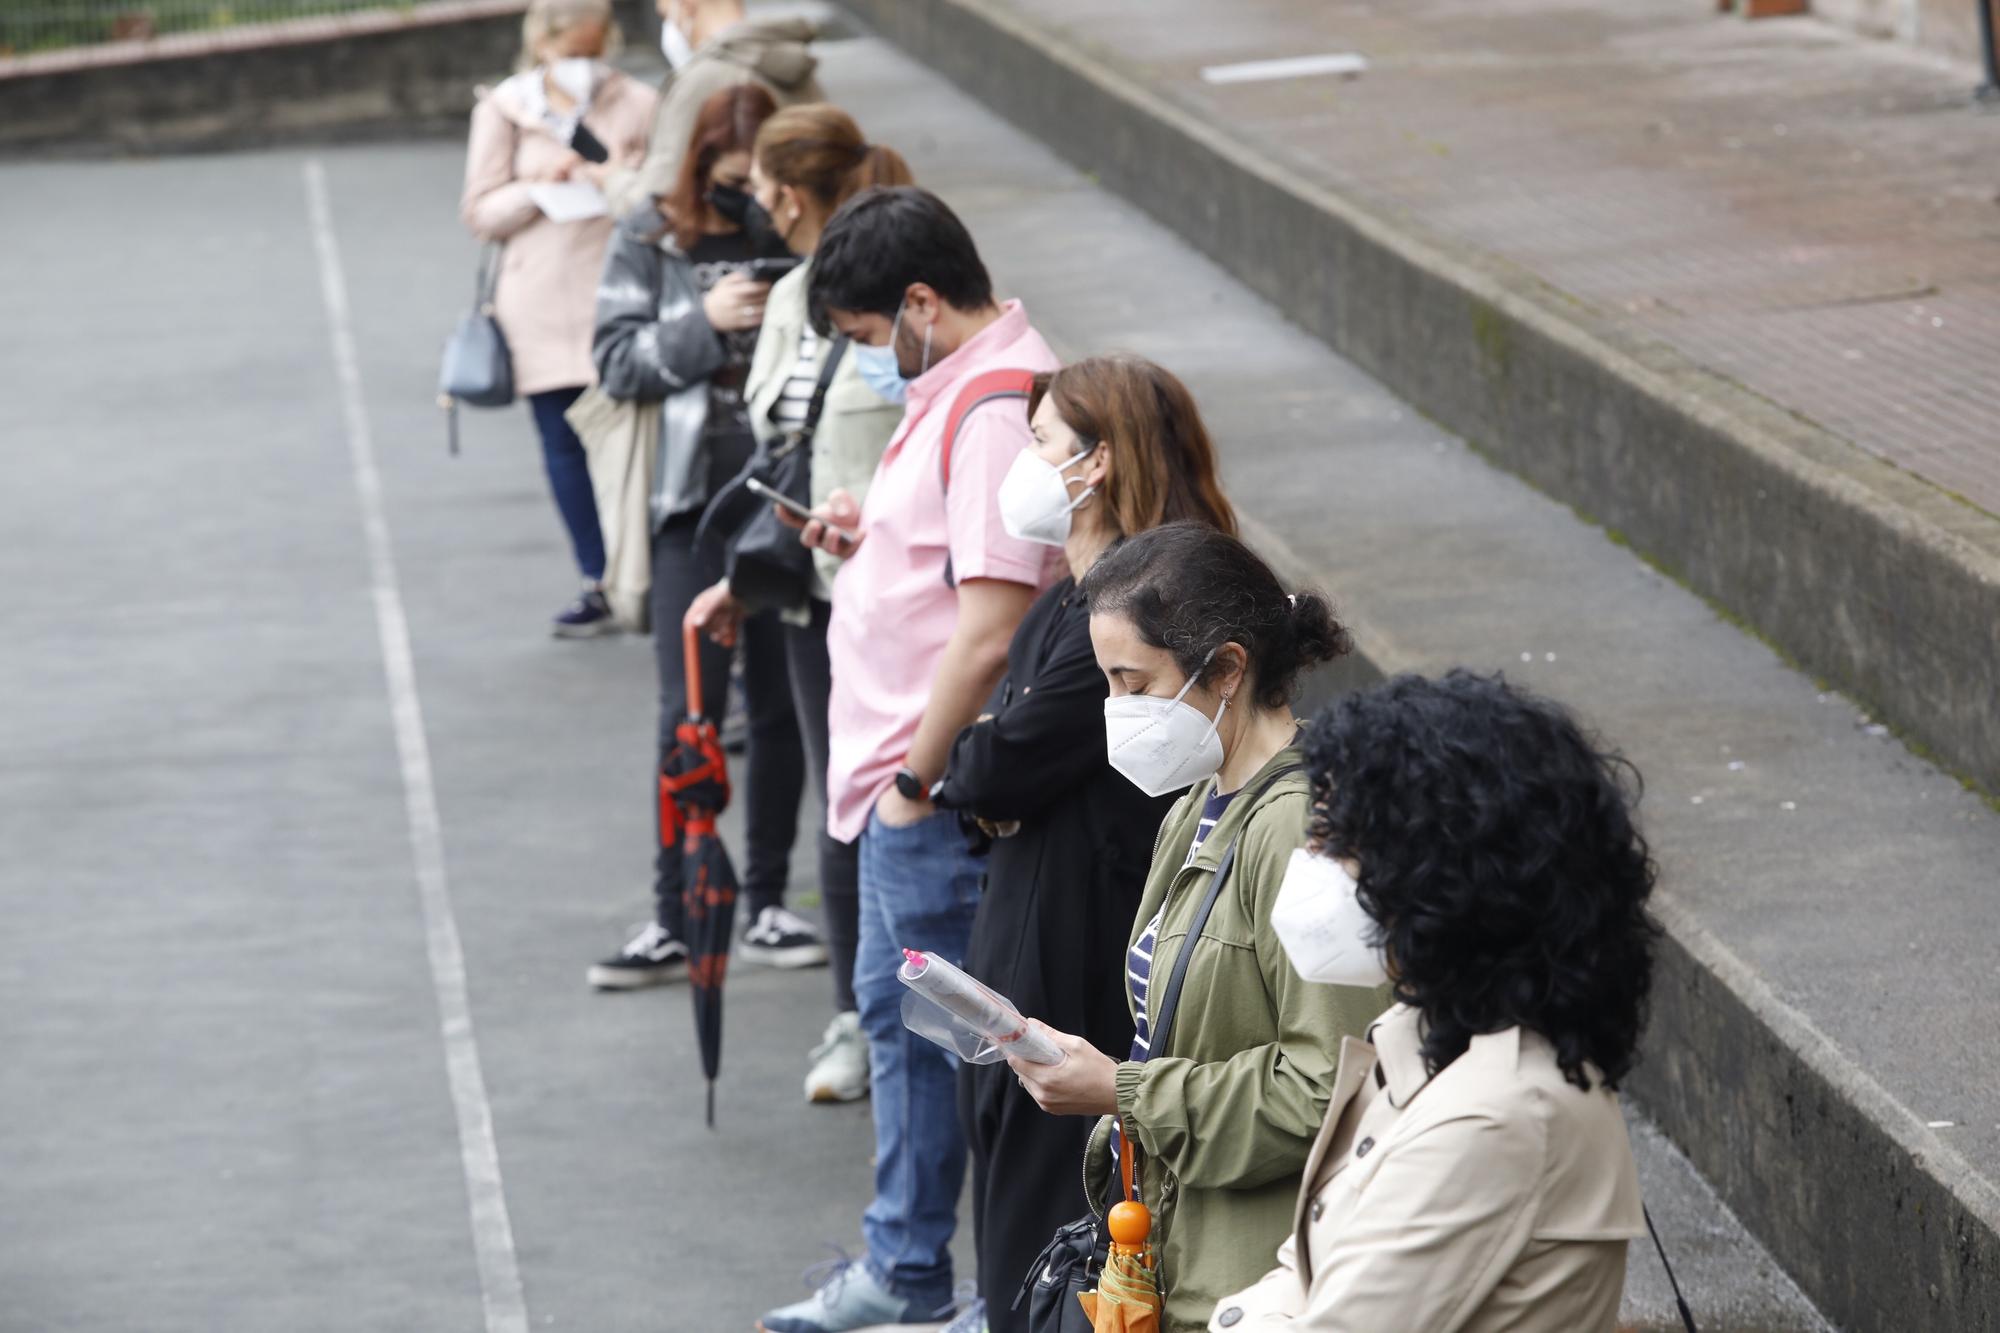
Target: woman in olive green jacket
1203 650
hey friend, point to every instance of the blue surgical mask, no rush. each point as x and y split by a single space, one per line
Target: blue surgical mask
878 368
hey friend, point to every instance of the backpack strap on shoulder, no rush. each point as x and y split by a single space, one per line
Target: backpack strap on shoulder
979 391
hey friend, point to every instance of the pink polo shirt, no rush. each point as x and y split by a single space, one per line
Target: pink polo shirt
893 612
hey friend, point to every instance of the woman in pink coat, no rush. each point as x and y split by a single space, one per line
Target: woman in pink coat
520 162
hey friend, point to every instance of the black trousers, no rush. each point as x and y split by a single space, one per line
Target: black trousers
1050 936
839 862
1027 1180
773 776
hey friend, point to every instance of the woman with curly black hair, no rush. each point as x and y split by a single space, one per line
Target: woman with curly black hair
1469 843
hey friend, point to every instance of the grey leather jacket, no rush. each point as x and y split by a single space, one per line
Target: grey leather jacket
653 343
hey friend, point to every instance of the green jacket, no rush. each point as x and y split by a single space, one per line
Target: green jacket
1226 1115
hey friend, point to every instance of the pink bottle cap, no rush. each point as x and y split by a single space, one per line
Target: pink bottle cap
917 960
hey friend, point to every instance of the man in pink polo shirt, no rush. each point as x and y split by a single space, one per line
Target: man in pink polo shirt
923 611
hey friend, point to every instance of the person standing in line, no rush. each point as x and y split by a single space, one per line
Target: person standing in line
810 160
923 612
547 285
1469 843
1119 449
677 319
711 45
1203 650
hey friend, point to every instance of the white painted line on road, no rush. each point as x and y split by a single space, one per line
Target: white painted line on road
492 1232
1291 67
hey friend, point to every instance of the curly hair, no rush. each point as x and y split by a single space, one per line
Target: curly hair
1499 861
1190 588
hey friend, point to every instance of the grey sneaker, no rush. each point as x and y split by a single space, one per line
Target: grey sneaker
851 1300
840 1062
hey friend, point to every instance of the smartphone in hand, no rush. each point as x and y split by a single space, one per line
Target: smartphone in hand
791 506
770 270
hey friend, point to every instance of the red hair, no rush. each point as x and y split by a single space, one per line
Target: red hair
727 123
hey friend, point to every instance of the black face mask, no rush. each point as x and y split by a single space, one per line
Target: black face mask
737 205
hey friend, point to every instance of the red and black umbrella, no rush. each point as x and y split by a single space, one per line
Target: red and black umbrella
694 788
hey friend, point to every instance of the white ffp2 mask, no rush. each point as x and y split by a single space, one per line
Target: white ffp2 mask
575 75
1162 745
674 44
1321 924
1035 503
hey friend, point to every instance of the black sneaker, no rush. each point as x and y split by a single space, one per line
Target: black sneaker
653 957
585 618
779 939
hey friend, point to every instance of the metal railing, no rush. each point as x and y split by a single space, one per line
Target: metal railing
28 26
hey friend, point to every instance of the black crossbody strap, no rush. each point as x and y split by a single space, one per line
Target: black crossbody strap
827 366
1687 1316
1170 999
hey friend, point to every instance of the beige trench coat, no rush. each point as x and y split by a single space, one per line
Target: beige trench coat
546 300
1495 1195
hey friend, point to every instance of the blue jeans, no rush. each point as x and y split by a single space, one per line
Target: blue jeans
919 890
569 478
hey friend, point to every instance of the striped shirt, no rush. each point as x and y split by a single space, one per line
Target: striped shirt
1139 962
788 414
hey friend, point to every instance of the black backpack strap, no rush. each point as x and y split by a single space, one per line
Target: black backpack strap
829 363
1170 999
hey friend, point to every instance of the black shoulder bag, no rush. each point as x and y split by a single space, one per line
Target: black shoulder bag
1072 1261
767 566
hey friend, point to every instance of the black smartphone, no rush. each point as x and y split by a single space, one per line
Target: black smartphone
779 498
587 145
770 270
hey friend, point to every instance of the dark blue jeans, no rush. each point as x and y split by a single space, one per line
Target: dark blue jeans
919 890
569 478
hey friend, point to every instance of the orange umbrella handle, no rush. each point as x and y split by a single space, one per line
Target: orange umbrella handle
1127 1152
691 646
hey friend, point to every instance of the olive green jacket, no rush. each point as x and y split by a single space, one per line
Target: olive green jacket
1226 1114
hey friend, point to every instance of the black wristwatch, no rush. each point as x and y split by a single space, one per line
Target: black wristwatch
910 784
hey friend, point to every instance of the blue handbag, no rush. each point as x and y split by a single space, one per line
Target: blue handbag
477 370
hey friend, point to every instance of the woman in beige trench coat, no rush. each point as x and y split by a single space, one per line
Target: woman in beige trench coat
1473 1173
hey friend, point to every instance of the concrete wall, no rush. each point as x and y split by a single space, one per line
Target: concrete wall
1864 575
385 72
1950 27
1946 27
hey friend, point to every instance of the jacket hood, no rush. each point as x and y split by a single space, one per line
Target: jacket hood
778 50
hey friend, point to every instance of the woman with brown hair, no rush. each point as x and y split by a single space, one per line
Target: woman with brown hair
808 161
1119 449
677 319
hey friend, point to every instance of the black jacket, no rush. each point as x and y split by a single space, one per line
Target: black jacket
1057 912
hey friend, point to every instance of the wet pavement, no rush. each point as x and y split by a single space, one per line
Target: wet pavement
247 820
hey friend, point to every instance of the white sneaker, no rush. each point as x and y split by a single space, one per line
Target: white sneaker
777 938
840 1062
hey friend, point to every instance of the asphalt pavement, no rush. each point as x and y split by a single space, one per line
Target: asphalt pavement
253 829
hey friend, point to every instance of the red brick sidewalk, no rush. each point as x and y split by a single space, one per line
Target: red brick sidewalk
1813 215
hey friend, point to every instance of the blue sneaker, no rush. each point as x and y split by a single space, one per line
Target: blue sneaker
851 1300
585 618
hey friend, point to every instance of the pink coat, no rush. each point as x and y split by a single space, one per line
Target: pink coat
547 295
